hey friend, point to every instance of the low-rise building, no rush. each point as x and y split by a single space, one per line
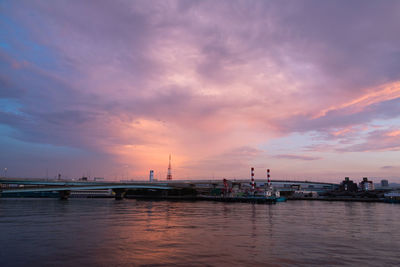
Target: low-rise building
384 183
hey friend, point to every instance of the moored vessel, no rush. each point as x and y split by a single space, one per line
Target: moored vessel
392 197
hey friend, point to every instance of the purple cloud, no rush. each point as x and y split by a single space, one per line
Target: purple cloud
387 167
379 140
201 78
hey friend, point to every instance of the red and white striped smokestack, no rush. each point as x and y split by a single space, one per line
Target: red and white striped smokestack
268 179
252 179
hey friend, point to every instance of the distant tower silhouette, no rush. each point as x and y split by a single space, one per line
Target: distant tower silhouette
169 175
252 179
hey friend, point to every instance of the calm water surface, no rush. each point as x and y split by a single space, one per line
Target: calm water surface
105 232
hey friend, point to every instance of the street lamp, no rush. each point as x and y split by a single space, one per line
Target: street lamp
5 172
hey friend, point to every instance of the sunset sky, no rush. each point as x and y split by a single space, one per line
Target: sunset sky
309 89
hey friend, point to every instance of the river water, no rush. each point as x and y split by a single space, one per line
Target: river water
106 232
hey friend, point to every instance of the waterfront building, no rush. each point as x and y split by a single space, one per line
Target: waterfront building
366 185
348 185
384 183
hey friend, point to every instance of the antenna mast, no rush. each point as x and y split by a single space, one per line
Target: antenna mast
169 175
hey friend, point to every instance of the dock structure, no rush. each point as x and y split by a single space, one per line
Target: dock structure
248 199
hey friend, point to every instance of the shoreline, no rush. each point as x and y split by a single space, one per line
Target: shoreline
217 198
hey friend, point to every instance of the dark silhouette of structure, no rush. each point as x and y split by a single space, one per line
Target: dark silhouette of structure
348 185
169 175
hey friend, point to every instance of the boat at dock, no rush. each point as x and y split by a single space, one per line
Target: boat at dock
274 194
281 199
392 197
248 199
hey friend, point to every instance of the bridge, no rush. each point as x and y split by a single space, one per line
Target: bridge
64 188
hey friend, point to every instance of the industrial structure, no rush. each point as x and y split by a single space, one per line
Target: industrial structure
169 174
253 186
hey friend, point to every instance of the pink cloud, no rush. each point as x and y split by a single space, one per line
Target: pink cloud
209 82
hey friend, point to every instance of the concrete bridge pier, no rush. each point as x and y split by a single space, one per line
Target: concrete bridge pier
64 194
119 193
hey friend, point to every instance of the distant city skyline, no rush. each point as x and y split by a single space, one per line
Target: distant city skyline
308 89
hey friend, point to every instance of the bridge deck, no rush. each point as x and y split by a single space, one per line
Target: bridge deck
83 187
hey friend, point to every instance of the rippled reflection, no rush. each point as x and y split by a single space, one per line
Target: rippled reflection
105 232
